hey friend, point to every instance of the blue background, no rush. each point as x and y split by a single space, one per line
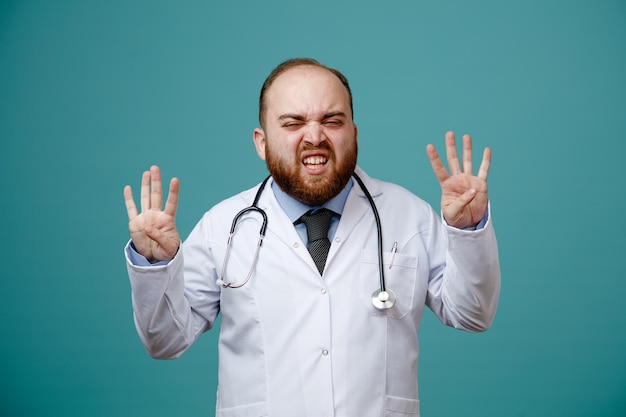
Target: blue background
92 93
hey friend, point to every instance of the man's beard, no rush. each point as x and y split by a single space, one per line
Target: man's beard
312 190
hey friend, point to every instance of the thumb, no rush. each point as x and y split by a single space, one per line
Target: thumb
463 200
453 213
151 231
166 243
154 233
468 196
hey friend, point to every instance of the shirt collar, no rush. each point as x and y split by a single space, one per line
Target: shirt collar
294 208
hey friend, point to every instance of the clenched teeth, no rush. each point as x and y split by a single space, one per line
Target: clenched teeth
314 160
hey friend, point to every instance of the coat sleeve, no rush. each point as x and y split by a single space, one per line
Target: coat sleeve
464 285
170 315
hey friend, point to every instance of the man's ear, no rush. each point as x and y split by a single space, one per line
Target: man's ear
259 142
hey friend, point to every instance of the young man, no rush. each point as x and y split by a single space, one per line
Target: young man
314 326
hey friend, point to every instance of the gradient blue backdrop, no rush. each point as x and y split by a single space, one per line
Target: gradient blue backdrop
93 92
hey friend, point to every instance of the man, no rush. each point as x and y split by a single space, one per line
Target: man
307 333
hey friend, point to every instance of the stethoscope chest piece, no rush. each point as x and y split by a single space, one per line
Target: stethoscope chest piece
383 300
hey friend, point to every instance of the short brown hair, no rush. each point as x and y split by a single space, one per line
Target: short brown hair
292 63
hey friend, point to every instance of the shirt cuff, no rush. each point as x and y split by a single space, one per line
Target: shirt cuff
137 259
481 225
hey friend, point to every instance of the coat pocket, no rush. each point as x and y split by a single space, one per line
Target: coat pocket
400 279
249 410
401 407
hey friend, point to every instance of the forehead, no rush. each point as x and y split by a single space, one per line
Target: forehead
305 90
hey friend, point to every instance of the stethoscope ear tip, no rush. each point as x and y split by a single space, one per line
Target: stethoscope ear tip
221 283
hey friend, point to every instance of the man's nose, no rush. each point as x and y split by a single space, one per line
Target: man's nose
314 134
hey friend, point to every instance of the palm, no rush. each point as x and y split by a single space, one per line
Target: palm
153 231
463 196
150 248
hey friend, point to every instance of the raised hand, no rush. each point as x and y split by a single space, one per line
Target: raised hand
463 195
153 231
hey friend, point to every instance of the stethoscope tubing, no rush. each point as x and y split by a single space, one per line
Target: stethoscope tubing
379 232
381 298
253 207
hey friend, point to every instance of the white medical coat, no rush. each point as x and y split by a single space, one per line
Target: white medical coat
294 343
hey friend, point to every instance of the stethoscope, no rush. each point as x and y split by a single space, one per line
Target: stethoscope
383 298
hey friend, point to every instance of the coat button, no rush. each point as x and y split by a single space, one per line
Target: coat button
325 352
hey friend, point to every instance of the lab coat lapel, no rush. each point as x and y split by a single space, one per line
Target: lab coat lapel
281 228
356 207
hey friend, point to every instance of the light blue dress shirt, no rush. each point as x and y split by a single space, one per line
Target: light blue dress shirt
294 209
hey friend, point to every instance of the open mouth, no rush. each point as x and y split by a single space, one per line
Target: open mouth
314 162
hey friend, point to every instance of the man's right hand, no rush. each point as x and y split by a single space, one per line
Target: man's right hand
153 231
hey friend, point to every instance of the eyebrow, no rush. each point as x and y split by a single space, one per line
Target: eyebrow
290 116
302 118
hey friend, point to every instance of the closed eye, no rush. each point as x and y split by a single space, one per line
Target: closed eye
334 119
291 121
292 124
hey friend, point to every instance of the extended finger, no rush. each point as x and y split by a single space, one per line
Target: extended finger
145 191
467 154
172 197
440 171
483 171
156 193
131 208
453 159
